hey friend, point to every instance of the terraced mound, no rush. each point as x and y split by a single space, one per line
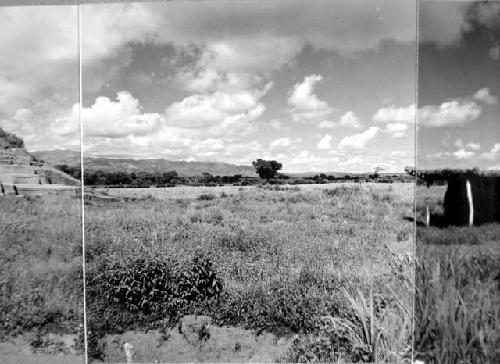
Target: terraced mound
22 175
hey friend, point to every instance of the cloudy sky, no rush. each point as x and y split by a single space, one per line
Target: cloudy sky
317 85
459 85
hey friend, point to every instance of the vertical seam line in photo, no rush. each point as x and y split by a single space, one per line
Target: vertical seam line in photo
415 156
82 193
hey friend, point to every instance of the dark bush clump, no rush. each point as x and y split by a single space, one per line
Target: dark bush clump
206 197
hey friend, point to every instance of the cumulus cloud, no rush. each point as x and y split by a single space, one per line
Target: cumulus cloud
280 142
358 141
462 151
220 113
483 95
473 146
115 119
493 154
454 113
394 114
306 106
325 142
463 154
350 120
109 27
397 130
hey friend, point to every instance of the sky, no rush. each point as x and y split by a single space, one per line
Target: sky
459 75
317 85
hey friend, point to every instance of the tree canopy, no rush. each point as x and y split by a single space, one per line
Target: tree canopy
266 169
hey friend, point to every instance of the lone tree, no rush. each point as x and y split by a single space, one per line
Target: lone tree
376 174
266 169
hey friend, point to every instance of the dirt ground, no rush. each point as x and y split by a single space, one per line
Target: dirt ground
18 351
185 344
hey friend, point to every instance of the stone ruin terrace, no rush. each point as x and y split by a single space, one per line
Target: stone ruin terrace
21 176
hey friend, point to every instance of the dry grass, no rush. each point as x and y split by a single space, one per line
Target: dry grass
457 301
40 265
287 257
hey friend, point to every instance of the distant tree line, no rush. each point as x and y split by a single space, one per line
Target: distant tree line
147 179
439 176
267 171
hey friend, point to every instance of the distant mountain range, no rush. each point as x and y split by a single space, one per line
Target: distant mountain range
72 158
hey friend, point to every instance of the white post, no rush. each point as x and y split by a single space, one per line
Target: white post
471 204
428 217
128 351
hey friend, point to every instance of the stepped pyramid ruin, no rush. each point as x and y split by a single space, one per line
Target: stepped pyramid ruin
21 175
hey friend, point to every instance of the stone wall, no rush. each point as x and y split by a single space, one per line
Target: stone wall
14 156
54 176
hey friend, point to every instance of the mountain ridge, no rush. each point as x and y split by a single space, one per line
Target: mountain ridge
183 168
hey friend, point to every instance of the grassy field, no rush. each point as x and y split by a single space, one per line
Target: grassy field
457 301
330 263
41 287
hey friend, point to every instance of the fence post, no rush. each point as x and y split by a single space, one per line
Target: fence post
128 351
471 203
427 217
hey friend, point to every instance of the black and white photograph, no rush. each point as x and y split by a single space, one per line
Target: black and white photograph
457 286
41 262
250 181
245 183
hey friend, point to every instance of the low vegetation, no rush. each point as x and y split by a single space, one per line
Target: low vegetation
309 261
122 179
40 266
457 301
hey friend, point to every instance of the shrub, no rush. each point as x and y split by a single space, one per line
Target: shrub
206 197
149 287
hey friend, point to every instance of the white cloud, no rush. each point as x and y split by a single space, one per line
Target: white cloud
455 113
109 27
23 115
393 114
494 52
483 95
115 119
278 125
327 124
463 154
397 130
358 141
306 106
280 142
325 142
459 143
463 151
39 48
350 120
218 113
473 146
493 154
